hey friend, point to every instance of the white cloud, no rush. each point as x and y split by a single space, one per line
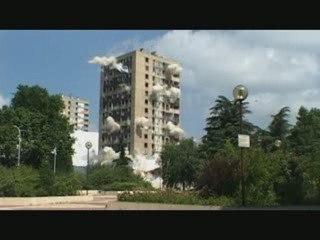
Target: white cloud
280 68
4 101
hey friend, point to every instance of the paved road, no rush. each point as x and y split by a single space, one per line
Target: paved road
98 203
109 202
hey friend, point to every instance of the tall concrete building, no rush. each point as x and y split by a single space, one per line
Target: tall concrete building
77 110
139 102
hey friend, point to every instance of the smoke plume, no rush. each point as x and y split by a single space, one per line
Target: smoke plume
142 122
109 61
157 92
108 155
174 130
174 69
111 125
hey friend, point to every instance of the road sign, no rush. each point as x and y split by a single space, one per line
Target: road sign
243 140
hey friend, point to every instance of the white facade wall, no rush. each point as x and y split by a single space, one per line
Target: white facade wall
80 156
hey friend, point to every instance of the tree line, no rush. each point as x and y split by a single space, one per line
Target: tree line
285 174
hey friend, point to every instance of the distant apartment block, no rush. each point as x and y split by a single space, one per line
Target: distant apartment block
77 110
133 100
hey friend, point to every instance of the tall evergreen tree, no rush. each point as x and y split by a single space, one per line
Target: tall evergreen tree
279 126
305 135
222 124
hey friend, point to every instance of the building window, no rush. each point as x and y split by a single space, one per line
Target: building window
147 59
152 146
145 145
146 101
146 136
146 110
147 93
147 68
147 76
147 84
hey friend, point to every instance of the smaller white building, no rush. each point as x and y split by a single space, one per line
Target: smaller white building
79 157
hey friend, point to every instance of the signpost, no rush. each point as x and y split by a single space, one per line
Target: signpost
243 140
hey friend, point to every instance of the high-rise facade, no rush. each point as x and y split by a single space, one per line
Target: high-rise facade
77 110
143 102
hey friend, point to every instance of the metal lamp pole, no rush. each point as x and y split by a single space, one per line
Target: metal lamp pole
55 160
19 146
241 160
240 93
88 146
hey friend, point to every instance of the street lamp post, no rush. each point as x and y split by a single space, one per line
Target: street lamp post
240 93
278 143
54 160
19 146
88 146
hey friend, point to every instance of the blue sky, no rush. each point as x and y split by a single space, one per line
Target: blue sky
280 68
58 60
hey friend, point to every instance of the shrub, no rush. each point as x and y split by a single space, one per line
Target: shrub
128 186
172 197
28 182
102 176
67 184
18 182
219 176
46 180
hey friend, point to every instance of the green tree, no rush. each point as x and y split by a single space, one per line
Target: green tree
179 163
222 124
279 126
305 135
122 161
39 116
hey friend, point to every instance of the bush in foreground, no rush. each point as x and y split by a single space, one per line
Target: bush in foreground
18 182
127 186
108 178
171 197
67 184
29 182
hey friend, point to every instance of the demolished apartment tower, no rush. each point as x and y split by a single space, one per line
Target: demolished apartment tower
139 102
